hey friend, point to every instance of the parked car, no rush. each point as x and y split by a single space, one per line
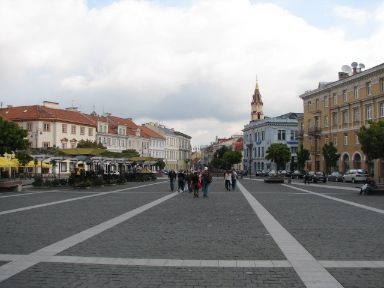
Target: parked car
317 176
335 176
355 175
298 174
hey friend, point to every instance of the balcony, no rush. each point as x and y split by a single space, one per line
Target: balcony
314 132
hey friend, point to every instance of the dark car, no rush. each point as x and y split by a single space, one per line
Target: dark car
335 177
316 176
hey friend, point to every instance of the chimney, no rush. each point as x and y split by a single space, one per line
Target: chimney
343 75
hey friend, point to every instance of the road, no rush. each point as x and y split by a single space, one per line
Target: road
143 235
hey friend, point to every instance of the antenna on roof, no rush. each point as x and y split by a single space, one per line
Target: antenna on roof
346 69
354 64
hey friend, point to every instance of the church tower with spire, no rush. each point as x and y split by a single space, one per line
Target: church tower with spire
257 104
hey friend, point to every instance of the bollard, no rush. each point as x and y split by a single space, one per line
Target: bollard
19 187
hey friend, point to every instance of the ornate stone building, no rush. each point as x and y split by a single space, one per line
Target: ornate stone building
335 111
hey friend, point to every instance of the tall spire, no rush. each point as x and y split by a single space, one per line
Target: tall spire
257 104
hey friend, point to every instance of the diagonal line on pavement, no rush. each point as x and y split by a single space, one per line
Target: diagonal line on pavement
310 271
70 200
337 199
20 264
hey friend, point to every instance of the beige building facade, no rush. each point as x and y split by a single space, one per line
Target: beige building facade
335 111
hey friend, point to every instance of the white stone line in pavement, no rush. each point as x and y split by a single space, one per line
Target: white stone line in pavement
70 200
41 255
191 262
310 271
25 194
381 211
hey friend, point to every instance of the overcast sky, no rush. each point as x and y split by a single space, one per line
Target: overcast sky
191 65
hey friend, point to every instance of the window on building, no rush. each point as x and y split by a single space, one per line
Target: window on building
73 129
345 117
334 119
369 88
345 97
281 135
334 140
357 142
262 152
369 112
63 145
381 84
29 126
82 130
325 121
382 109
356 92
317 104
64 128
334 99
46 145
326 140
90 131
309 106
325 101
46 127
345 139
262 135
356 115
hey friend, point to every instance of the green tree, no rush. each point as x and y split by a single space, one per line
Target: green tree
89 144
12 137
24 157
302 156
278 153
371 140
232 157
217 160
330 156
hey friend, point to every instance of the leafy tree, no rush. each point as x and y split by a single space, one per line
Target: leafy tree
24 157
218 158
232 157
371 140
89 144
225 157
12 137
160 163
278 153
302 156
330 156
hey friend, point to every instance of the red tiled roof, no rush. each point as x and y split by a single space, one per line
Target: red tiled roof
42 113
149 133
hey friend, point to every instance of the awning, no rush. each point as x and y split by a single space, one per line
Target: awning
43 164
6 162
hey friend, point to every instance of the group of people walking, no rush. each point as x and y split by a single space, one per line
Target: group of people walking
191 181
230 178
196 180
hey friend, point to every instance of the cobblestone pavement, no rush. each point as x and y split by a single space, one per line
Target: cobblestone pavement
143 235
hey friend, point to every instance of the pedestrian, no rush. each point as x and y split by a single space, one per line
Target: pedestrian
196 184
234 179
188 179
172 178
227 180
180 181
206 179
306 178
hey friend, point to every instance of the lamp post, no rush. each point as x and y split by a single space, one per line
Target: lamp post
250 146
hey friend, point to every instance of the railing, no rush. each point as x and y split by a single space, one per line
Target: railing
314 131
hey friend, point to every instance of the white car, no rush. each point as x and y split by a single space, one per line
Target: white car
355 175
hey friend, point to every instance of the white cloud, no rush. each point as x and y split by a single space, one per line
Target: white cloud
357 16
191 66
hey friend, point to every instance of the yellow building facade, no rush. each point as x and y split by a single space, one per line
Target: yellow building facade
335 111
